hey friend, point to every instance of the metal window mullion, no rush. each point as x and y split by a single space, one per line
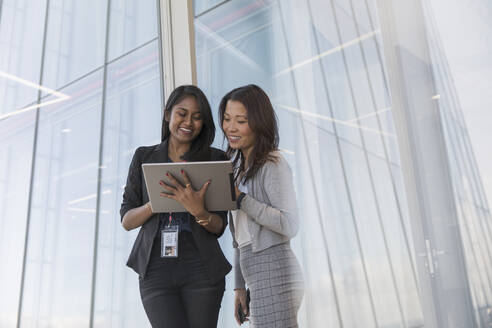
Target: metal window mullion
33 166
311 173
99 168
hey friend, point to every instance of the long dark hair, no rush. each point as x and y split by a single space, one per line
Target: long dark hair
201 144
261 120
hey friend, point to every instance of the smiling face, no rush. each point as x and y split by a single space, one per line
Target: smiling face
185 120
236 127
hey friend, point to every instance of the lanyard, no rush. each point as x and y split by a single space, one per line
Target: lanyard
170 219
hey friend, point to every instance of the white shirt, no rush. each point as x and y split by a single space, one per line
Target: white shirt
240 219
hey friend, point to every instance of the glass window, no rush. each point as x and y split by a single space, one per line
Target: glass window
61 233
132 119
460 60
21 39
16 146
200 6
320 63
397 241
132 23
75 40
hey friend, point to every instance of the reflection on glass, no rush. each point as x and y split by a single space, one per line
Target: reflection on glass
75 40
455 99
21 39
320 62
132 23
200 6
132 119
61 233
16 145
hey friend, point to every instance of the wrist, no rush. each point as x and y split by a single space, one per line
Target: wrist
203 215
239 199
207 218
148 208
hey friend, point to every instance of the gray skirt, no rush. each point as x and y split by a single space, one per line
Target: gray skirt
275 281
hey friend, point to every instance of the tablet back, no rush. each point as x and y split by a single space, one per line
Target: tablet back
220 195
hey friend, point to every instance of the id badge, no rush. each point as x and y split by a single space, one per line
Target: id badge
169 241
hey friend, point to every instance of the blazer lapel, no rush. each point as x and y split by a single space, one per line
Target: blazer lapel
160 154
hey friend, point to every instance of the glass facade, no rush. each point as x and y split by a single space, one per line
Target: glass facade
321 64
91 70
468 189
16 146
81 89
21 42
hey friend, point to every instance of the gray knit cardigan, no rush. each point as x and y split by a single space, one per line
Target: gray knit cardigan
271 207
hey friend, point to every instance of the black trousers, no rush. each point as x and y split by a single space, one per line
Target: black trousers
176 292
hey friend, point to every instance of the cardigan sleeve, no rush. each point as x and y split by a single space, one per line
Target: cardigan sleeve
219 155
281 216
132 196
238 275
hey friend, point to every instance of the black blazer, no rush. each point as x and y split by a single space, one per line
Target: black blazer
135 195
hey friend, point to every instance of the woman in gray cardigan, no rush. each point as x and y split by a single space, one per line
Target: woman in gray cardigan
267 216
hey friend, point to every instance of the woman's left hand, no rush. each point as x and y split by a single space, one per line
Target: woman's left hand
193 201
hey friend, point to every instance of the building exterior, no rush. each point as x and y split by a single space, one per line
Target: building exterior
383 242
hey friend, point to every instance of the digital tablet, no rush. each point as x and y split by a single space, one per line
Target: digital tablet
220 195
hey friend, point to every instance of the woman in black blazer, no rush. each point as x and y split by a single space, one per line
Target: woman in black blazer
183 291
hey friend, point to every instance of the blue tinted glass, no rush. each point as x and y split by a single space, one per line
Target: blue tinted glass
320 66
16 146
21 39
132 119
63 209
75 40
132 23
199 6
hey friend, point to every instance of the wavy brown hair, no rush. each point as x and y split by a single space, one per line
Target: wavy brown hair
262 120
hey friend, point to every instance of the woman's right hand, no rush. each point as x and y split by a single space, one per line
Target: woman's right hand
240 298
